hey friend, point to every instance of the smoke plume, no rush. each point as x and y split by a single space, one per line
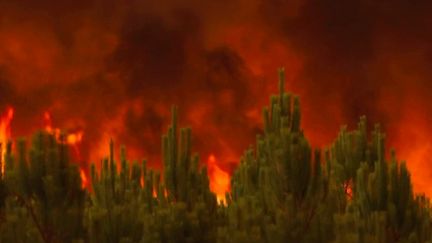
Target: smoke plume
114 68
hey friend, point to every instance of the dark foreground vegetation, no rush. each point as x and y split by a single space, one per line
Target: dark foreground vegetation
282 191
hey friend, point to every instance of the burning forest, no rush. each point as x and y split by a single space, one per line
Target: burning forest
85 92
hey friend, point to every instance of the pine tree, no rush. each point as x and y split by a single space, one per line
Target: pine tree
282 191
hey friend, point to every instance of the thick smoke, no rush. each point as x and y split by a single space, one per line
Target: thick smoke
114 68
355 52
364 58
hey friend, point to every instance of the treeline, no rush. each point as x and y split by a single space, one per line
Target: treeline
282 191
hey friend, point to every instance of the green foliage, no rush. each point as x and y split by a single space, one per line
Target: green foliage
44 201
168 209
282 191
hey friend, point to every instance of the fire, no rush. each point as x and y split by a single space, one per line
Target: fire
219 179
84 180
48 124
73 139
5 133
413 144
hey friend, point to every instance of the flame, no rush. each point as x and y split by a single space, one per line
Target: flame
5 133
413 145
84 180
48 124
73 139
126 65
219 179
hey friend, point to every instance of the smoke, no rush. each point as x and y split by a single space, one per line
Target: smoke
351 51
364 58
114 68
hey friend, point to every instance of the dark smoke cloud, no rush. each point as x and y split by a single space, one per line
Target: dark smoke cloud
159 58
150 55
164 63
363 58
346 47
336 39
114 68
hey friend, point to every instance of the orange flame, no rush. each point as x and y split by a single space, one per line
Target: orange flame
413 144
5 133
73 139
84 180
48 124
219 179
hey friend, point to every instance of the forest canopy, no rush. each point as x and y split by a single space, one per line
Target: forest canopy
283 190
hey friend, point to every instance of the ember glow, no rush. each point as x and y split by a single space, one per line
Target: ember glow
112 69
